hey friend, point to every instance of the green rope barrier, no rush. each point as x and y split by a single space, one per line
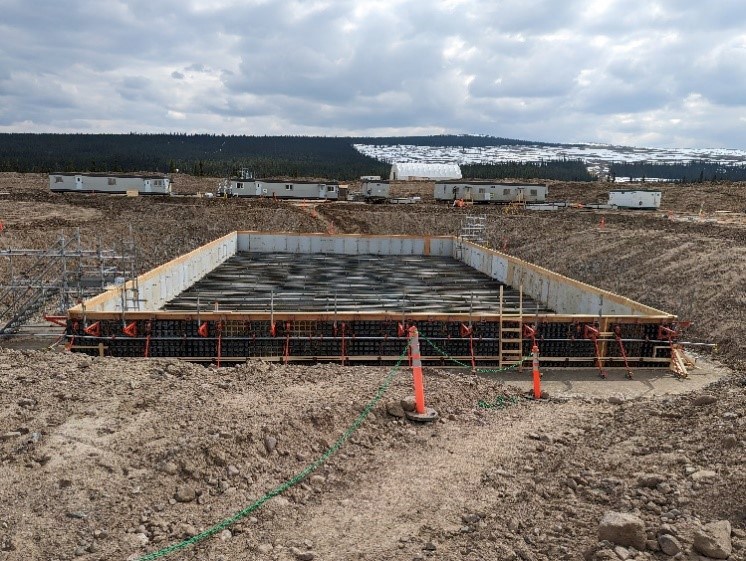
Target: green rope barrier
291 482
480 370
500 402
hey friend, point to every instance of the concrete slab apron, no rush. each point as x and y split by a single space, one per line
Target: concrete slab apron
650 382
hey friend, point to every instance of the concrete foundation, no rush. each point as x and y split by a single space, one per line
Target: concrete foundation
323 297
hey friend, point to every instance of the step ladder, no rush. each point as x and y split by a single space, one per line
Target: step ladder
511 333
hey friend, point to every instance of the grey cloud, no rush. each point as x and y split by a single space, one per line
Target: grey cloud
536 69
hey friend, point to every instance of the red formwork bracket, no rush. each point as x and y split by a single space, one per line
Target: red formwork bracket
57 320
529 332
672 331
618 337
590 332
94 330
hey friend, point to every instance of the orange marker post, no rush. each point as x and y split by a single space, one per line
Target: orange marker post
537 376
416 360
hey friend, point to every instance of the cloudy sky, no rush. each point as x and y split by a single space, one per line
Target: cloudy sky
669 73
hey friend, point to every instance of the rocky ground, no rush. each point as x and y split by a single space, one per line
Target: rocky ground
116 458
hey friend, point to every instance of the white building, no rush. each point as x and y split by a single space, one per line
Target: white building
413 171
645 199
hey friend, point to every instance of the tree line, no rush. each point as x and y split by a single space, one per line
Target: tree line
682 172
562 169
267 156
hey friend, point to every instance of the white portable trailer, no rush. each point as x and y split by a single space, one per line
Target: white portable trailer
114 184
376 191
238 187
489 192
643 199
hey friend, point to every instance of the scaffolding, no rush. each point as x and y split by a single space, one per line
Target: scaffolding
474 229
53 279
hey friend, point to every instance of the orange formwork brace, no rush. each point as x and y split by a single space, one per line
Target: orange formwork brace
622 350
344 344
590 332
220 342
286 352
130 330
57 320
148 333
465 330
420 413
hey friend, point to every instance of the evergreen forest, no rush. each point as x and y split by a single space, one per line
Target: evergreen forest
682 172
267 156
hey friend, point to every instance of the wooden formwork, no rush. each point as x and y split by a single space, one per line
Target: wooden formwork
605 330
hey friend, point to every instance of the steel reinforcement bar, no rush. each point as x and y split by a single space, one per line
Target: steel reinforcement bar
372 341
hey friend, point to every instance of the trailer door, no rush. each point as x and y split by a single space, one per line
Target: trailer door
79 182
322 190
147 185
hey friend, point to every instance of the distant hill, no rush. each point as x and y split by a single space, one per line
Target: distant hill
346 158
222 155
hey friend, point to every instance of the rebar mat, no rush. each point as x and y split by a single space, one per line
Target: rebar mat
349 283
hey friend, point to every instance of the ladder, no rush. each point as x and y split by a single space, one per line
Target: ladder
511 333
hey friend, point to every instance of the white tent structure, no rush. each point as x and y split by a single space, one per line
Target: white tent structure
412 171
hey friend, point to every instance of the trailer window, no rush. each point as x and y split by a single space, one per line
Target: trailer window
112 181
534 192
58 179
506 191
330 188
239 185
288 187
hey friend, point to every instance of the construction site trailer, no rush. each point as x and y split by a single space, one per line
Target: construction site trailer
114 184
350 298
644 199
376 191
489 192
280 189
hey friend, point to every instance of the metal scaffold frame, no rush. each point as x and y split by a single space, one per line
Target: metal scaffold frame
474 229
52 280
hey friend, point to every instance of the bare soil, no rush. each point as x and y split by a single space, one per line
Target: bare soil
115 458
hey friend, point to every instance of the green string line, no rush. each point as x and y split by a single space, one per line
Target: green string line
480 370
500 402
291 482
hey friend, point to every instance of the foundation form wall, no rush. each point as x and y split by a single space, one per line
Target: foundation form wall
574 324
